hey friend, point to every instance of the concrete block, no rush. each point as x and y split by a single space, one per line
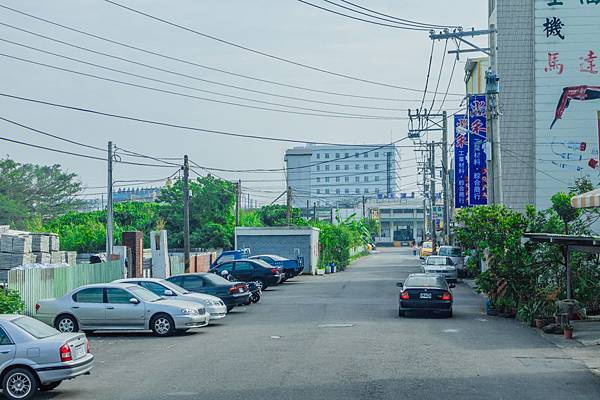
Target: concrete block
42 258
40 243
54 242
21 244
57 257
6 243
160 254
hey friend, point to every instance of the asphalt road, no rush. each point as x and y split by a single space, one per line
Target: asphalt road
338 337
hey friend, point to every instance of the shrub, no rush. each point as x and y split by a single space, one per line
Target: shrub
10 302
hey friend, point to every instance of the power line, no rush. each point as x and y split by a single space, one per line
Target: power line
399 19
396 26
171 125
53 150
331 115
191 76
428 74
262 53
206 67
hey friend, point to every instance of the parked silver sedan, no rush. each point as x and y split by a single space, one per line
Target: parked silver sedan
441 265
161 287
36 356
120 306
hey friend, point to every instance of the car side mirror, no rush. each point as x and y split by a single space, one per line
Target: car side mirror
400 285
169 292
451 285
133 300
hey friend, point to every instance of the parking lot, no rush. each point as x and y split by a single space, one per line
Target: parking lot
337 337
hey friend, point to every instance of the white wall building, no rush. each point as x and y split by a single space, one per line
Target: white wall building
339 176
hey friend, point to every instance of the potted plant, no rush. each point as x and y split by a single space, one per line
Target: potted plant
568 331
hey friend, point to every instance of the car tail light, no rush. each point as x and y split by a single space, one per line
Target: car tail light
65 353
405 295
37 307
275 270
88 348
447 296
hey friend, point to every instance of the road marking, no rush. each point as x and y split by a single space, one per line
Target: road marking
335 325
481 319
450 330
275 337
181 394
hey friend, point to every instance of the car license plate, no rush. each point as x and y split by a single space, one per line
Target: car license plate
79 351
425 295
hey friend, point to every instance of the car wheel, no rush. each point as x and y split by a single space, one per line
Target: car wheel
263 285
49 386
66 324
449 314
255 297
401 313
229 308
181 331
19 384
162 325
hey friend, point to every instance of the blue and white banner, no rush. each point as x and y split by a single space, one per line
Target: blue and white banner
461 162
478 173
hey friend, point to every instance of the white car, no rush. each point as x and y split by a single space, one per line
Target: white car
441 265
161 287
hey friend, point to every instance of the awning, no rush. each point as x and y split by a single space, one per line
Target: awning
587 200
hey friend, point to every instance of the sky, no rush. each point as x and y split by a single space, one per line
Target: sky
285 28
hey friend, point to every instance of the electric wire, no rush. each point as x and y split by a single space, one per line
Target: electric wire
262 53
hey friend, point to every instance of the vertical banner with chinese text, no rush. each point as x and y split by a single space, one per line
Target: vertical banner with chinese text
461 165
477 126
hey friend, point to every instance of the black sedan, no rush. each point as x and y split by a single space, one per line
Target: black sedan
247 270
425 292
232 293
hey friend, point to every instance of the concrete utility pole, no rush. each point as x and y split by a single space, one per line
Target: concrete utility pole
238 198
186 213
389 172
315 211
109 204
432 195
445 170
289 206
492 92
364 206
307 209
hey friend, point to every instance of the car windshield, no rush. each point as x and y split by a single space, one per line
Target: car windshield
427 245
423 281
436 261
35 328
144 294
174 287
450 251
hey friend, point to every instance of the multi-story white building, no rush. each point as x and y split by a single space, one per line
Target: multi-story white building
339 176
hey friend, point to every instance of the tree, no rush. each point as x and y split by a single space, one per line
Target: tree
29 190
276 215
211 217
561 204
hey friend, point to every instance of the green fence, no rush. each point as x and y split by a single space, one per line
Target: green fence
177 264
40 283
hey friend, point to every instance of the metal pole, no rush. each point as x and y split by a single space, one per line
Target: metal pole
315 211
445 177
364 206
569 274
238 195
307 209
186 213
109 202
289 206
492 101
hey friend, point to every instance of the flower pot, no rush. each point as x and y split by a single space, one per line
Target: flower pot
539 323
568 334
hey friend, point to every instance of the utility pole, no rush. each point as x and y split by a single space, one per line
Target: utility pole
432 195
492 92
307 209
315 211
445 178
289 205
109 204
186 213
364 206
238 198
389 173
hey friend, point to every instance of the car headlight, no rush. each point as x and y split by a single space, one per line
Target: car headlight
189 311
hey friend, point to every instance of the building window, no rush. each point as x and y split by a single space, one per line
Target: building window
318 156
366 179
327 168
357 154
376 166
318 191
376 154
347 179
357 191
326 191
346 167
357 179
376 190
337 155
337 191
347 155
366 190
337 178
366 166
357 166
347 191
337 167
318 167
377 179
326 155
327 179
366 155
318 179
